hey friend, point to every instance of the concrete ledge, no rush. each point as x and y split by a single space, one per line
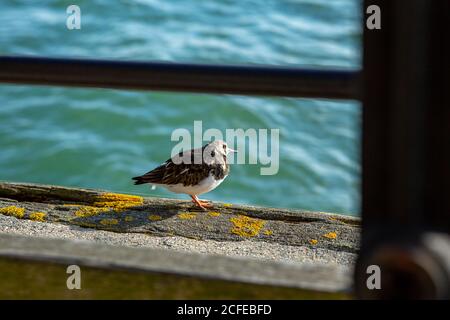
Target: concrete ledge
35 268
165 217
323 247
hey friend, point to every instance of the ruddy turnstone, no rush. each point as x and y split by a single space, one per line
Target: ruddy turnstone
192 172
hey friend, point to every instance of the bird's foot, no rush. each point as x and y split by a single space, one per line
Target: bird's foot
206 204
202 203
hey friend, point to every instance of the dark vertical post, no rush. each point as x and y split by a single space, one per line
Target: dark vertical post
406 141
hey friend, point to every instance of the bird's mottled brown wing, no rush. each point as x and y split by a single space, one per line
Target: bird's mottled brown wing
186 168
169 173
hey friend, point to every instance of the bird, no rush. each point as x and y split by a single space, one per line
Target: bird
192 172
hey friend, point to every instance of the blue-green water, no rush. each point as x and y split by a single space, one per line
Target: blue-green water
101 138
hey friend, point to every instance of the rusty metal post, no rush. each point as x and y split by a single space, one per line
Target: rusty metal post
406 151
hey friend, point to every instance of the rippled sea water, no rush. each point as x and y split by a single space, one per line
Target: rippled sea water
100 138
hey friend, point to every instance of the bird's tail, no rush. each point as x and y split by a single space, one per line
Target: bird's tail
139 180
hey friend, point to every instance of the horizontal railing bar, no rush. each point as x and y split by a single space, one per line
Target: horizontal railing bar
167 76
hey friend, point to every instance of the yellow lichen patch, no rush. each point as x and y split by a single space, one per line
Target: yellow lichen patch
268 232
213 214
227 205
117 202
109 222
89 211
313 241
119 197
245 226
13 211
129 219
154 217
38 216
187 215
330 235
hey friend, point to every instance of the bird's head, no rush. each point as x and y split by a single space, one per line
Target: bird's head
219 147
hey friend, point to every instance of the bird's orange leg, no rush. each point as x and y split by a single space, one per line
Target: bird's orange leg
201 204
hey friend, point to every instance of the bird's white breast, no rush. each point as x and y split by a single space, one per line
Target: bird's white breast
205 185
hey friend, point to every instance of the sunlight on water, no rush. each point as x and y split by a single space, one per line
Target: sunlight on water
101 138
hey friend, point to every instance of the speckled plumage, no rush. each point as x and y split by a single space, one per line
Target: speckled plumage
188 174
192 172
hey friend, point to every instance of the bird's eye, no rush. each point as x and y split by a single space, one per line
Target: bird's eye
224 146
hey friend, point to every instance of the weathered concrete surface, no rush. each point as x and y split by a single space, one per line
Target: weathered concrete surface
35 268
246 248
224 223
310 254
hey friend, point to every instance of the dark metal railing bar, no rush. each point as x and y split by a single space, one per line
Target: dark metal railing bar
183 77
